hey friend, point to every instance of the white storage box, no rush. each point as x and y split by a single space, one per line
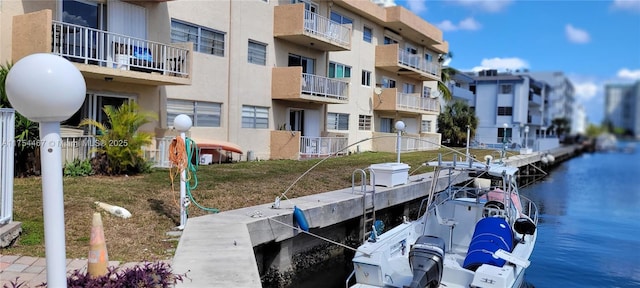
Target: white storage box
206 159
390 174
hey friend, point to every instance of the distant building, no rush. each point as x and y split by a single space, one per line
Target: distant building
622 107
561 101
506 106
579 122
461 87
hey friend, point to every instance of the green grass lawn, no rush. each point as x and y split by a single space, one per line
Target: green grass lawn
153 203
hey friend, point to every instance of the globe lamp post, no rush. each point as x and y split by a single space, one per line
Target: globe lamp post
399 128
183 123
48 89
526 132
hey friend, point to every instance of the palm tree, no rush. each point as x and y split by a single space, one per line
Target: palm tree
445 77
119 139
453 121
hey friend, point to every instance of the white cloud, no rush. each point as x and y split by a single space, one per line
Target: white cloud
629 5
417 6
576 35
385 3
485 5
629 74
585 90
502 64
465 24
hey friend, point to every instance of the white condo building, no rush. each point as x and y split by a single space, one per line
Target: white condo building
622 107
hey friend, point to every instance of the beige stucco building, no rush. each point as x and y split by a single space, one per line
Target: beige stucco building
273 79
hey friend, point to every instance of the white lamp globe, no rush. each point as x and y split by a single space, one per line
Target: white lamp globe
526 129
505 125
182 123
45 88
400 126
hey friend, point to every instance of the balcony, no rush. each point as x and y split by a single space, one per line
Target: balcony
535 100
312 88
391 100
461 93
312 147
387 142
393 59
295 24
101 54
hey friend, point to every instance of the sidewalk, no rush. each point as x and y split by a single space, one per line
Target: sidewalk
32 270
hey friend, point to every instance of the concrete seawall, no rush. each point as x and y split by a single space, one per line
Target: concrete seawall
219 250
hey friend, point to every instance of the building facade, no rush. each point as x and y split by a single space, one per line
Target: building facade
622 107
562 102
271 79
510 108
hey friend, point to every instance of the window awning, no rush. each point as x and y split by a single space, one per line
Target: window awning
218 145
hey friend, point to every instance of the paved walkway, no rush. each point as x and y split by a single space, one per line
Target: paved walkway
32 270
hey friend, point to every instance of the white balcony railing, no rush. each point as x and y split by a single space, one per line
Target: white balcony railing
414 101
326 87
324 27
418 62
322 146
7 126
106 49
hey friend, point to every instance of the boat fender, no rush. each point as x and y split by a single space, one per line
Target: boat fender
298 216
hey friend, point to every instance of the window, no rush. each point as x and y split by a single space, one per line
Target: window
505 111
337 17
408 88
389 40
504 135
203 114
367 34
364 122
366 78
428 58
388 83
426 126
337 70
255 117
505 88
386 124
204 40
257 53
426 92
337 121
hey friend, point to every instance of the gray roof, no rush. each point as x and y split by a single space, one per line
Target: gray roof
498 77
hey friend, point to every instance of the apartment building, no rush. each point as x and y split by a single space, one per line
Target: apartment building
510 108
271 79
622 107
562 101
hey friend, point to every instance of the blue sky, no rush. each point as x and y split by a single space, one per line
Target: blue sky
592 42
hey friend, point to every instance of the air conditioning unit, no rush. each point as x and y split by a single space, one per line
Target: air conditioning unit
206 159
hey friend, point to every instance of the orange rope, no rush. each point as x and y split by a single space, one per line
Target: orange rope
178 160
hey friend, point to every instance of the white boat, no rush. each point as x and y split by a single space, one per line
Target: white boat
479 233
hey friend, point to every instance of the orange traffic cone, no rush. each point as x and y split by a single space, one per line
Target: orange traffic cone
98 258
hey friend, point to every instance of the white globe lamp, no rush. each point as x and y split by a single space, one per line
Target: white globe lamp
182 123
48 89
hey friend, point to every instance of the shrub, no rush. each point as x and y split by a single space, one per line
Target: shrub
119 139
147 275
78 168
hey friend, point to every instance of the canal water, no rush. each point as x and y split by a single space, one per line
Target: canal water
589 230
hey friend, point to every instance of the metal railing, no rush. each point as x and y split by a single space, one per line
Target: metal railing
77 147
103 48
324 86
7 146
418 62
159 157
419 143
323 26
416 102
322 146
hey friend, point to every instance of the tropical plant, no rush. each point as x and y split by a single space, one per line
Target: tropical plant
562 126
26 133
78 168
119 141
452 123
445 76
